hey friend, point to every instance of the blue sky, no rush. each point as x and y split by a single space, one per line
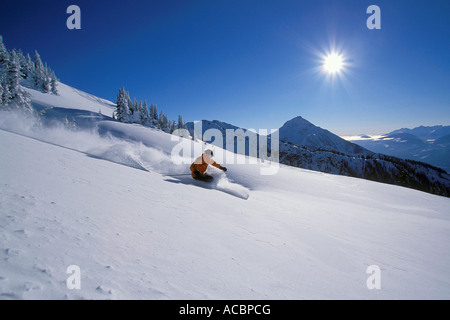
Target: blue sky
254 64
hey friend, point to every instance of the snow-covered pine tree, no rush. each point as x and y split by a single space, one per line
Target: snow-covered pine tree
144 113
53 83
27 69
4 54
15 96
151 113
139 116
180 124
4 91
142 117
122 106
155 113
130 103
168 124
162 120
38 70
45 80
12 77
22 62
1 90
135 112
133 106
138 112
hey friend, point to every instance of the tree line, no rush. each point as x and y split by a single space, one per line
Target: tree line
15 66
132 111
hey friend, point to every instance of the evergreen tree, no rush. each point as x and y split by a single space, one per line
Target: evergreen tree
181 124
53 83
1 90
22 63
13 95
38 62
4 54
28 67
130 103
162 120
144 113
151 112
4 97
12 76
133 106
45 79
38 70
122 106
154 114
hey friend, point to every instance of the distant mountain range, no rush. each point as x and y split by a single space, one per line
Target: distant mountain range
426 144
297 131
304 145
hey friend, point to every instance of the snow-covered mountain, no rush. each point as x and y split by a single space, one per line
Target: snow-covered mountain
426 133
297 131
301 132
425 144
304 145
98 197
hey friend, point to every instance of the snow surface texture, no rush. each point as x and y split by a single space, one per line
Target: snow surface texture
101 199
140 235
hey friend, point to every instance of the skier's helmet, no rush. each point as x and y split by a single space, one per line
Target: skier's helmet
209 152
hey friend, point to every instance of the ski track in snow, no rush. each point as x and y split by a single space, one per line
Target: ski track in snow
220 183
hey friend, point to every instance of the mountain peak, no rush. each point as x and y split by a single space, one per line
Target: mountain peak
301 132
297 121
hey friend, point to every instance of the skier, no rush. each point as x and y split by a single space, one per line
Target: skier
199 166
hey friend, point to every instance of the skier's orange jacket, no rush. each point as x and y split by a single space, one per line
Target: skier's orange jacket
201 164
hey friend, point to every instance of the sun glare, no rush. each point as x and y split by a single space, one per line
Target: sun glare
333 63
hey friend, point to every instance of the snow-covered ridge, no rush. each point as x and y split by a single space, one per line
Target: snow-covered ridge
427 144
71 98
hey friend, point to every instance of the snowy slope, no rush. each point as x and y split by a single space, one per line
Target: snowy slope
99 198
71 98
137 234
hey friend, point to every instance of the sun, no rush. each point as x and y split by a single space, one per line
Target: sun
333 63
